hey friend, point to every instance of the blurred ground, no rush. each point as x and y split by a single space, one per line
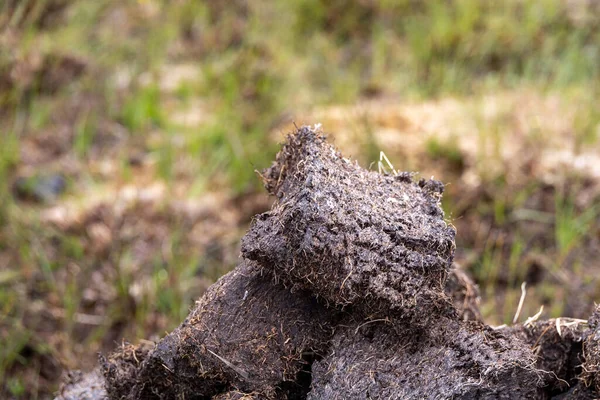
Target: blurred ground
130 132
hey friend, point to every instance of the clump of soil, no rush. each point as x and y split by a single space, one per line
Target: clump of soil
246 334
452 360
122 367
568 349
590 374
353 237
558 352
346 290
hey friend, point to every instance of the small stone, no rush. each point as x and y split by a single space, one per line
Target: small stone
40 188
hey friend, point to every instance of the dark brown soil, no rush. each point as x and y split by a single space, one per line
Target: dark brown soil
558 353
452 360
346 290
590 374
569 350
246 333
353 237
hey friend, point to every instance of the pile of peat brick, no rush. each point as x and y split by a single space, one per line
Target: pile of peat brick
346 289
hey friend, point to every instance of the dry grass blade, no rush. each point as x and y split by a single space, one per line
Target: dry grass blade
521 301
240 371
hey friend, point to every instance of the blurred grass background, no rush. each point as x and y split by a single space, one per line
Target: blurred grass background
130 133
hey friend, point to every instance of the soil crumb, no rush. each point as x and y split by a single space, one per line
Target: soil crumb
346 289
